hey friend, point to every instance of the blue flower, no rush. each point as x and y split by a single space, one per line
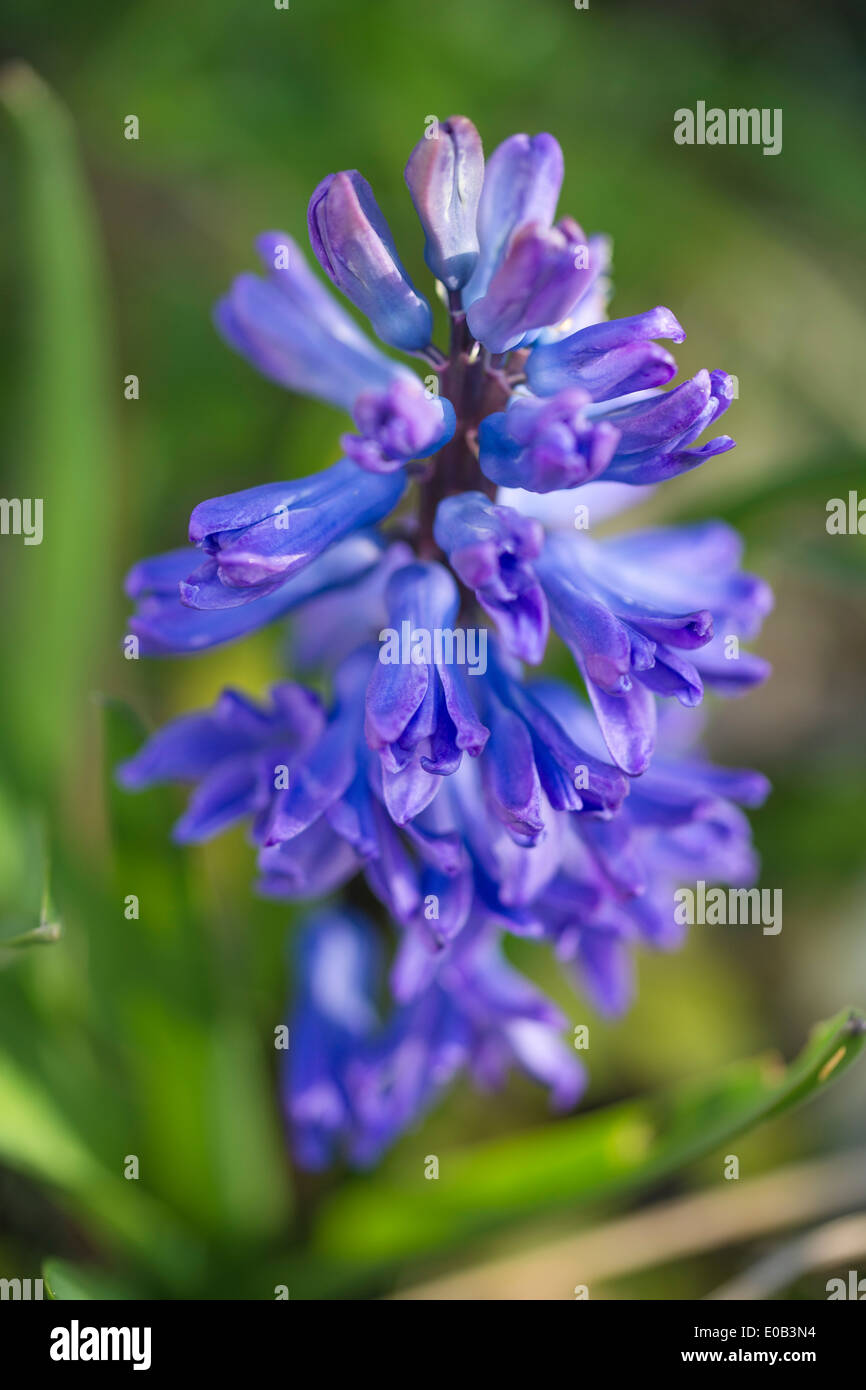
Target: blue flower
614 886
546 445
654 434
353 245
490 549
444 176
165 625
293 331
332 1022
542 275
635 613
352 1084
607 359
236 753
419 712
403 423
475 804
521 186
257 539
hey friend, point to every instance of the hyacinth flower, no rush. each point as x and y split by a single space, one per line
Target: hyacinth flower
362 1080
292 330
636 612
632 623
614 885
491 549
421 575
543 273
165 627
444 176
234 752
256 541
519 188
547 444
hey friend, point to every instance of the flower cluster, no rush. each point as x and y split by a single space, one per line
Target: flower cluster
476 803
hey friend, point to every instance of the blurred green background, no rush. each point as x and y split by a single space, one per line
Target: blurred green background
154 1037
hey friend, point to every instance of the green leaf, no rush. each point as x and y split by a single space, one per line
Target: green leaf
64 447
36 1139
209 1124
599 1156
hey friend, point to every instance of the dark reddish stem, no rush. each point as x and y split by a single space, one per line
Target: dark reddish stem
475 388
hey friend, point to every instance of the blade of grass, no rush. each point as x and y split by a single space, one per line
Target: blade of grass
35 1139
209 1122
66 450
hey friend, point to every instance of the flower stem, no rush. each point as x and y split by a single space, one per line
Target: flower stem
475 387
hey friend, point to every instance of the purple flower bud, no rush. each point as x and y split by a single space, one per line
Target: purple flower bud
655 433
607 359
491 549
538 281
260 537
404 422
293 331
521 184
444 176
164 625
545 445
353 244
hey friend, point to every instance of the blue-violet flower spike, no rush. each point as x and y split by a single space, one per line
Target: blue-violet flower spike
469 800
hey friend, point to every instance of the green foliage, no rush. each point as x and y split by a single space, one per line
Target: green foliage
66 454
